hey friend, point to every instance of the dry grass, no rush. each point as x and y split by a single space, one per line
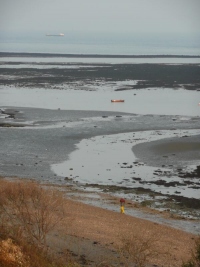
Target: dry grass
12 255
22 254
30 210
28 213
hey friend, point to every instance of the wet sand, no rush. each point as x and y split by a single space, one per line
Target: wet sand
170 151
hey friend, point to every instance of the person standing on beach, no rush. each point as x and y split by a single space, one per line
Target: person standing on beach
122 202
122 209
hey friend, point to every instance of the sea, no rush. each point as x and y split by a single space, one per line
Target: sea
101 43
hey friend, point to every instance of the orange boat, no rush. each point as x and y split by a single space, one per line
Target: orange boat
117 100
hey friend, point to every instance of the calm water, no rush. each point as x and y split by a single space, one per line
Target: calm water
91 43
160 102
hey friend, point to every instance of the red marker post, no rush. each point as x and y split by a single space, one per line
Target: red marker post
122 203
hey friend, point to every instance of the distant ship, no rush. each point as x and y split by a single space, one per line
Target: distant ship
60 34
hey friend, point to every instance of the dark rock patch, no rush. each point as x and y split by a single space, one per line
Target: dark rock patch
193 174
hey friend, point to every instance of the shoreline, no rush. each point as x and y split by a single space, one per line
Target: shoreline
132 183
27 54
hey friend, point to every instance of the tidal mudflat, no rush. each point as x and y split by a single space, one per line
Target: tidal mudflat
58 125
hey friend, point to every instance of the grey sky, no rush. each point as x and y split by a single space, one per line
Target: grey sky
152 16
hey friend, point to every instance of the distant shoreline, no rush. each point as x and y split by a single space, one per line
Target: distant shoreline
23 54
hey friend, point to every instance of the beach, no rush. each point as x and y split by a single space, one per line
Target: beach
96 234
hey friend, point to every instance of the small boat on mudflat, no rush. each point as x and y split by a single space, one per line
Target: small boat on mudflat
117 100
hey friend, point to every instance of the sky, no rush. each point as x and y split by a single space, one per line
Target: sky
135 16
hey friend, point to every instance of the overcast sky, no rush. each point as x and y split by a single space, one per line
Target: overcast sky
152 16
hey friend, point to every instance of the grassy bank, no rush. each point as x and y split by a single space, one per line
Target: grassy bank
40 227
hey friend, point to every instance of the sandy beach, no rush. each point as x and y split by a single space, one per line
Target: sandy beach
101 232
